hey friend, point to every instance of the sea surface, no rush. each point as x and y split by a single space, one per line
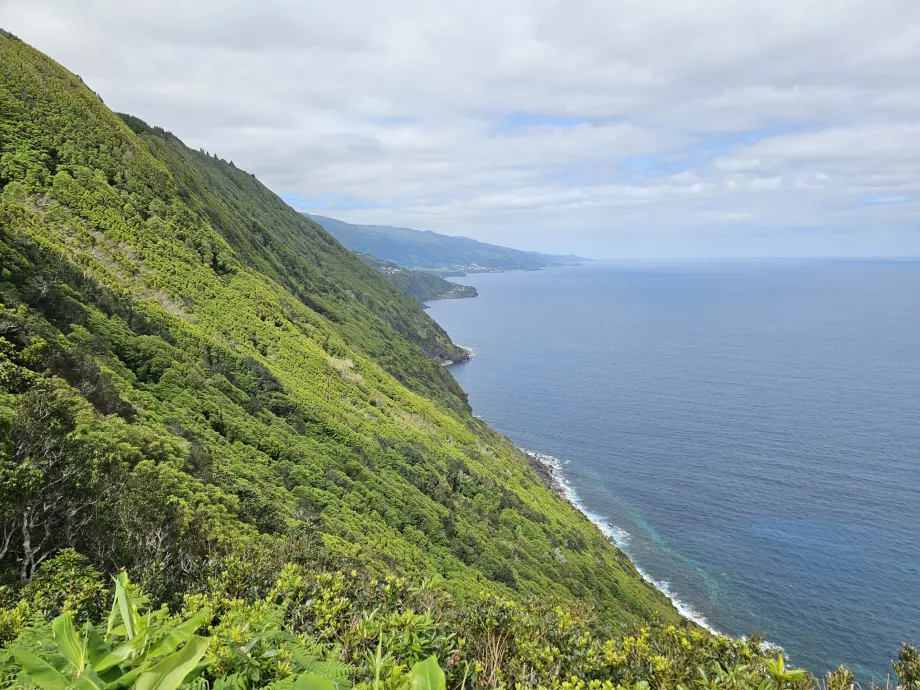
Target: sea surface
749 433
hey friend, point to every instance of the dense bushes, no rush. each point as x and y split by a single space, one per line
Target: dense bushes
369 631
252 631
270 237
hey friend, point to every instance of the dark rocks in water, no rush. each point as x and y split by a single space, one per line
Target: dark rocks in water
547 469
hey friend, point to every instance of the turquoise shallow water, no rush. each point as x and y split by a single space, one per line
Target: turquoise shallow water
750 432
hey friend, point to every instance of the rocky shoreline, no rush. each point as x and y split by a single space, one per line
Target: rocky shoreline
445 361
547 469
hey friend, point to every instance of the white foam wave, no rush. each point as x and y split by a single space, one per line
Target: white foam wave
619 536
462 347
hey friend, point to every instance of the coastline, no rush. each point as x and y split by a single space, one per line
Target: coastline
549 469
469 355
452 294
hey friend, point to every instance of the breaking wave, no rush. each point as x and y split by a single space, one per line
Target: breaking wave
619 536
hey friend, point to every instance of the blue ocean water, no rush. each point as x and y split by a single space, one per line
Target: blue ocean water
752 430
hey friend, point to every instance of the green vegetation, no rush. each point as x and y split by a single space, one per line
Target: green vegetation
271 238
331 631
431 251
202 389
155 651
419 285
166 402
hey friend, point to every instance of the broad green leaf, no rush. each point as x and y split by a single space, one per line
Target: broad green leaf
118 630
181 633
129 615
123 652
96 648
68 641
40 672
195 672
125 681
427 675
169 673
113 614
313 681
89 680
58 662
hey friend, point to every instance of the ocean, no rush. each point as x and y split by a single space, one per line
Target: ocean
748 432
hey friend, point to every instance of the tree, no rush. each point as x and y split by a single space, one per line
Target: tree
46 483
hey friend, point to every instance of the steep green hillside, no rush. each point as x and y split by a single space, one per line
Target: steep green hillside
188 370
429 250
272 238
419 285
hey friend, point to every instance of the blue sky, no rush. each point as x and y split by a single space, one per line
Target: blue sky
641 128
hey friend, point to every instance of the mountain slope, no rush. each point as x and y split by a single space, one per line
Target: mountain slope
280 243
186 372
429 250
419 285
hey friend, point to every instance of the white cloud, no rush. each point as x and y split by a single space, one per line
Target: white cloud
608 128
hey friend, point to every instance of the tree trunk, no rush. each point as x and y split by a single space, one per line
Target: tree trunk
26 546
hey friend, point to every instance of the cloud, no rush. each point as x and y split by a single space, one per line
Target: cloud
637 127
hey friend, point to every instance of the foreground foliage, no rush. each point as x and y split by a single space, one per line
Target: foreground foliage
329 631
153 651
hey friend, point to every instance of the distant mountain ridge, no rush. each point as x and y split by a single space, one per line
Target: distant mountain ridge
431 251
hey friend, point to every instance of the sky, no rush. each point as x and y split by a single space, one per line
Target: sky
607 128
